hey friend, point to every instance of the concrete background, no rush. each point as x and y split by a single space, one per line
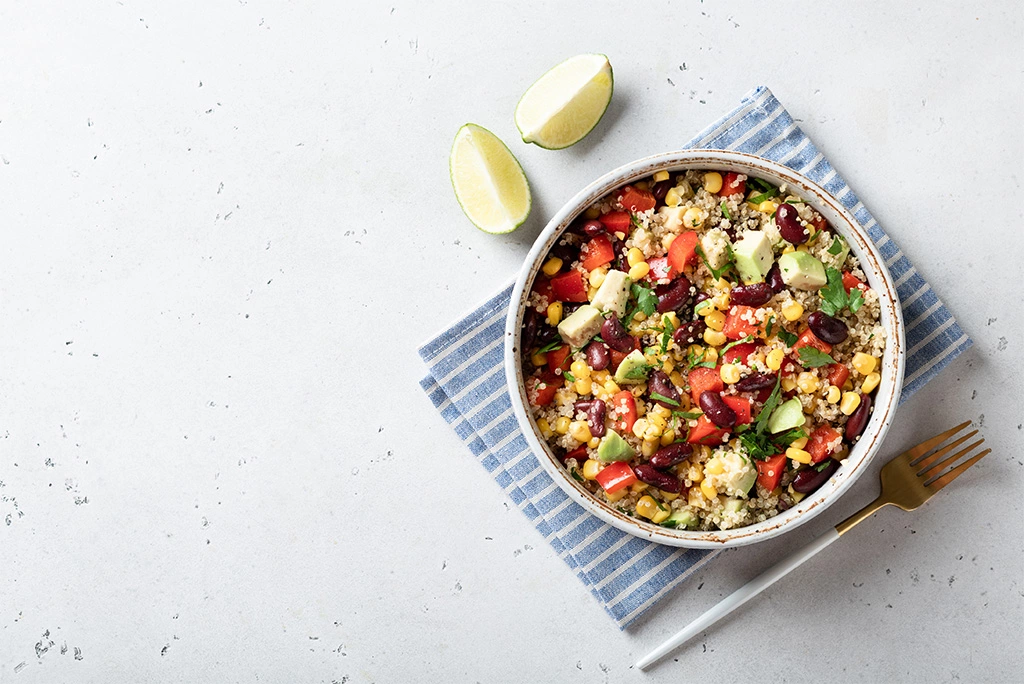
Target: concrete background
224 229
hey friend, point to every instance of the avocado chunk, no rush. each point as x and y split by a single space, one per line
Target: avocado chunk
837 260
753 257
613 293
735 505
614 448
789 415
802 271
581 325
633 370
682 517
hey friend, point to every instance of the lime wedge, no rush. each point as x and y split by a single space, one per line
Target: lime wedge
488 180
565 104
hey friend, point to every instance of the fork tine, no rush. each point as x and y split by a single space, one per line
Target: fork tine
941 482
924 447
936 469
924 464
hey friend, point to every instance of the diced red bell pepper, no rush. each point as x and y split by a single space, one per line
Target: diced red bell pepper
542 286
636 200
597 253
615 221
616 476
769 471
741 405
762 395
623 411
837 373
579 453
660 269
851 281
731 185
736 324
569 287
817 444
740 352
558 359
546 388
809 339
683 251
703 380
705 432
790 366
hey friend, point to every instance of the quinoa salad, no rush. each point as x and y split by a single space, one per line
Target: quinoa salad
701 350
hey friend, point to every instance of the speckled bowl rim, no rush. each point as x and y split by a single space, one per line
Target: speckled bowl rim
892 367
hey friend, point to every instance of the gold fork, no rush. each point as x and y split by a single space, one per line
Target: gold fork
908 481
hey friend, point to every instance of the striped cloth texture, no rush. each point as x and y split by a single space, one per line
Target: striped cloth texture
466 383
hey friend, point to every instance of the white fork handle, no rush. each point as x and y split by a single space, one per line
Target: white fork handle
739 597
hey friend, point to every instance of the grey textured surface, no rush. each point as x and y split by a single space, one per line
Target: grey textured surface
226 226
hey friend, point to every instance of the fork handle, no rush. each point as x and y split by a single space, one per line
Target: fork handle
740 596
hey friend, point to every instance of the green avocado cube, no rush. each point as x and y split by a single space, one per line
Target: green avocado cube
802 271
613 293
633 370
614 448
753 257
788 416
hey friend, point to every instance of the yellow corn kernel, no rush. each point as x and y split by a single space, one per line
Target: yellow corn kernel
554 313
667 437
616 495
667 366
662 515
711 354
793 311
562 425
834 393
798 455
656 416
870 383
864 363
715 320
693 218
634 256
788 248
788 384
639 271
597 276
669 496
545 428
729 373
707 490
672 198
580 431
660 176
539 359
646 506
799 443
767 207
600 376
757 357
594 442
797 496
695 349
848 385
649 447
804 248
580 369
591 293
591 468
592 212
677 378
850 402
640 427
661 411
611 387
712 181
642 185
721 301
552 266
714 338
584 385
714 467
807 382
695 473
639 487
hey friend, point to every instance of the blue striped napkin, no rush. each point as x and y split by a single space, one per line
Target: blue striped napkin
466 383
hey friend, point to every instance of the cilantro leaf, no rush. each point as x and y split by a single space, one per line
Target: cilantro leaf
662 397
788 437
725 211
638 373
856 299
551 346
744 340
814 358
717 273
646 300
758 447
787 337
761 184
767 195
569 376
768 328
833 295
687 415
766 411
836 247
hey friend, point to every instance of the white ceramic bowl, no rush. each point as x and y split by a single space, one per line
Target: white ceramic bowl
886 396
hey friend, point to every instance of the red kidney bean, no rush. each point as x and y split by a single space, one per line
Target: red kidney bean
809 479
775 280
666 457
567 253
654 477
717 411
674 295
595 411
529 328
788 221
691 332
755 382
660 189
546 334
754 294
619 261
598 357
859 418
593 228
827 328
658 383
615 336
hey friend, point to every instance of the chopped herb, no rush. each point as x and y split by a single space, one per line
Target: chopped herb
814 358
599 338
795 201
634 221
687 415
638 373
725 211
787 337
856 299
758 446
837 246
768 328
821 467
833 296
748 338
761 184
569 376
788 437
814 236
717 273
662 397
769 405
551 346
646 300
665 337
757 199
575 475
694 361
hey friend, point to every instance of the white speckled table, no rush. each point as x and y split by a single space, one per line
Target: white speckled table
227 225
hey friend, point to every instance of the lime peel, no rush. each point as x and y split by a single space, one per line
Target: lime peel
488 180
566 103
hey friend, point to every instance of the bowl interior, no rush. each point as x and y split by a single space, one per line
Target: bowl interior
886 396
